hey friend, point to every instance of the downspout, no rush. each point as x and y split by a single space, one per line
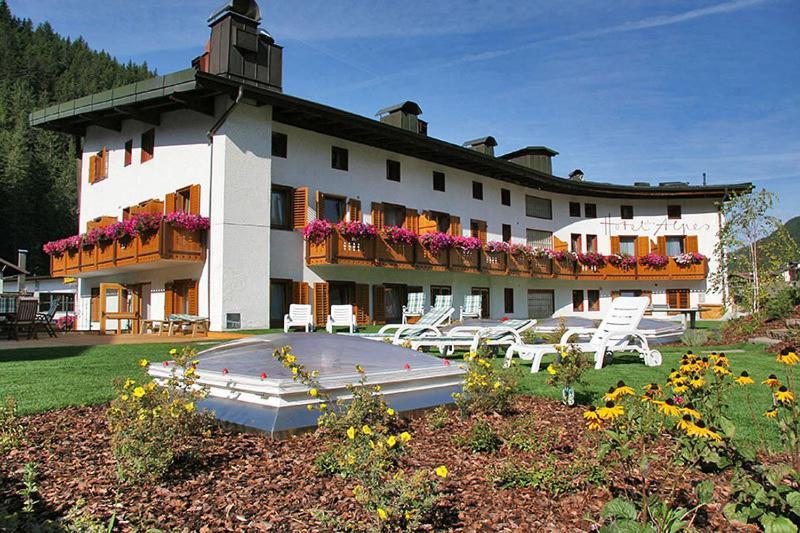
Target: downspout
210 137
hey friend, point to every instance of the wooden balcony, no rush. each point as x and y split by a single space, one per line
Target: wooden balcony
167 245
337 250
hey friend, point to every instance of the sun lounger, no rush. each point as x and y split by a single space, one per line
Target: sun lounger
430 321
471 308
415 307
469 338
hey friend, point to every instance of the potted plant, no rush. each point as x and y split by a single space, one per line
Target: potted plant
687 259
464 254
396 246
495 257
568 371
146 226
317 231
432 250
519 259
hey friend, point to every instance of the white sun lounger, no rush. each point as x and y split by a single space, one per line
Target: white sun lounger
430 321
470 337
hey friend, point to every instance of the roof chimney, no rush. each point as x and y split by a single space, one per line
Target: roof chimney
484 145
405 116
239 50
535 157
576 175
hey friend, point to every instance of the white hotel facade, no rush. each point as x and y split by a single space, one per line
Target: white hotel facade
222 140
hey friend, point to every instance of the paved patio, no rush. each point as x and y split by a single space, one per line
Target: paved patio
95 339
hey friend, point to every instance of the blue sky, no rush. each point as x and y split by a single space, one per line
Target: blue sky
630 90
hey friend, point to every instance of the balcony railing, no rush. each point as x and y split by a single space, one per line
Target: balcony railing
336 250
168 243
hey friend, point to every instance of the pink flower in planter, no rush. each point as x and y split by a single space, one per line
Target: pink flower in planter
592 259
522 250
146 223
317 231
466 244
622 261
187 221
398 235
497 246
436 242
73 243
356 230
561 255
654 260
689 258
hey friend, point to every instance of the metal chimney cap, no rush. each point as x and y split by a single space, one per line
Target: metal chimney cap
407 107
244 8
576 172
488 141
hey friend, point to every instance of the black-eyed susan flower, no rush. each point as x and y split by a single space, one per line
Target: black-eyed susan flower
784 395
595 425
771 413
591 414
697 381
788 357
689 410
685 422
744 379
721 370
772 381
668 407
610 411
699 429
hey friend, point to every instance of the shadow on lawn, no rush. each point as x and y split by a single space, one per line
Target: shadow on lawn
41 354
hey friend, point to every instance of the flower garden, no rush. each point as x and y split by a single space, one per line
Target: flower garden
707 441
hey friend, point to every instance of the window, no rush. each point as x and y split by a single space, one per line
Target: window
392 170
339 158
627 245
538 207
148 145
593 297
483 292
673 212
575 242
440 290
675 246
477 190
541 303
280 144
333 209
394 215
508 300
678 298
590 210
539 238
66 302
591 243
438 181
342 292
184 297
575 209
128 152
183 200
280 296
506 232
505 196
577 301
280 214
626 212
98 166
442 221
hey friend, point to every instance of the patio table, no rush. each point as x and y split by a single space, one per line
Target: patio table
689 313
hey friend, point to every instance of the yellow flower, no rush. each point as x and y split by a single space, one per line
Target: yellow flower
744 379
124 397
691 411
668 407
138 392
377 388
551 370
595 425
383 515
189 371
697 382
699 429
772 381
408 515
771 413
610 411
173 351
685 422
391 441
788 358
366 430
405 436
441 471
680 388
351 460
291 359
359 369
313 392
615 393
390 411
189 407
720 369
351 433
294 370
784 395
129 382
323 406
150 387
591 414
143 362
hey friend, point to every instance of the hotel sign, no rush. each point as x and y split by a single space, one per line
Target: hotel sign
663 227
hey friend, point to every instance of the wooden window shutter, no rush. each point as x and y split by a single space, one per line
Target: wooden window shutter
169 300
191 294
615 244
378 305
377 215
482 229
427 223
455 226
320 205
642 246
104 169
300 207
362 304
691 243
321 303
559 245
94 304
194 199
412 220
300 292
662 245
169 204
354 210
93 169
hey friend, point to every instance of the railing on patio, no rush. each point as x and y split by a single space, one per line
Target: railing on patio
167 243
337 250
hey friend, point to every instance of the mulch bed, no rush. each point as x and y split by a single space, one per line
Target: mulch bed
250 482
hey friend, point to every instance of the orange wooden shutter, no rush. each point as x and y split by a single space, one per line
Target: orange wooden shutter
300 292
194 199
559 245
378 305
169 299
427 224
93 169
412 220
615 244
354 210
104 158
300 207
169 204
321 303
320 206
642 246
691 243
662 245
191 294
362 304
482 229
455 226
94 304
377 215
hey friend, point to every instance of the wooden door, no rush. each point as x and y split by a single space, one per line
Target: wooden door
119 305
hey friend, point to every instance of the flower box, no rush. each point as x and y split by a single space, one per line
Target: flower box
88 258
182 243
620 272
464 260
58 265
541 266
692 271
395 255
519 265
564 268
494 262
126 251
353 251
105 254
430 261
651 272
73 261
591 271
149 244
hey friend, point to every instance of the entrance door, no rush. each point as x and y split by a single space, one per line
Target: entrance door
394 296
279 299
120 307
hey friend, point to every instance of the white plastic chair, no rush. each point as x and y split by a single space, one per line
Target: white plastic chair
415 307
341 316
618 332
300 316
471 308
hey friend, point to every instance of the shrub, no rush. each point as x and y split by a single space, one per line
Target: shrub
11 431
439 417
151 426
548 477
781 304
527 437
486 389
568 371
695 337
481 438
